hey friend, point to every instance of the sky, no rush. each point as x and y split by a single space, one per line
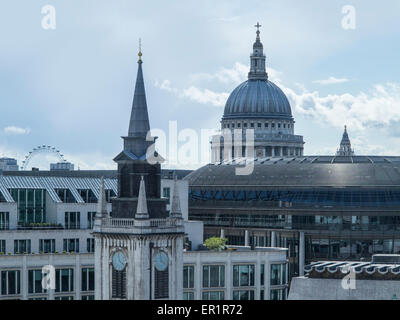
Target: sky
71 87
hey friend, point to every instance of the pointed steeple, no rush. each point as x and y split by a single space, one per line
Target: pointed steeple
257 59
175 211
139 124
345 145
102 203
141 211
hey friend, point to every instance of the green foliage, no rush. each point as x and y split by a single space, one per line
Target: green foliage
215 243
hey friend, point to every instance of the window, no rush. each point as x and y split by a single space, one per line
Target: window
64 298
239 125
188 277
47 245
278 294
118 284
252 125
90 245
278 274
3 246
4 220
167 193
87 279
273 125
259 125
10 282
243 275
213 276
279 125
233 125
266 125
90 218
243 295
35 281
71 245
188 296
64 280
22 246
213 295
72 220
262 275
88 297
245 125
161 284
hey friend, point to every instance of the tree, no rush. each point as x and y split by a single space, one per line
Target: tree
215 243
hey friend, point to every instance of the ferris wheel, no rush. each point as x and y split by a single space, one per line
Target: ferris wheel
39 150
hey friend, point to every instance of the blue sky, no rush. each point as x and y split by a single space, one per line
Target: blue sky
72 87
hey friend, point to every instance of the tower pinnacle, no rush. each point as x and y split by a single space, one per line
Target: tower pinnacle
345 145
257 59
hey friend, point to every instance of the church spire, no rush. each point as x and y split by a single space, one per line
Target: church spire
257 59
139 122
141 211
139 125
102 203
176 211
345 145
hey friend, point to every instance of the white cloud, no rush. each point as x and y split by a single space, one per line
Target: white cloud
332 80
377 109
16 130
206 96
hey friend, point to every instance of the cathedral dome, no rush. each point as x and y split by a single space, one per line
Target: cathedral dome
258 98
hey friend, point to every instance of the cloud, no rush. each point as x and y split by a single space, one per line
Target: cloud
377 109
225 76
12 130
331 80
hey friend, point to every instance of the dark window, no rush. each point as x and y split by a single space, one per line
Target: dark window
119 284
161 284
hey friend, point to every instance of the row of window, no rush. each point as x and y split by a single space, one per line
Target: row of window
243 275
48 246
258 125
64 281
275 294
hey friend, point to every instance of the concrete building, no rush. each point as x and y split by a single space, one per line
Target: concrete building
8 164
378 279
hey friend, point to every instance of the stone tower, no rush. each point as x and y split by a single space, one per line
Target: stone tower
139 248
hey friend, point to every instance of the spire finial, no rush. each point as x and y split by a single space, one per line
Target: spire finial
141 211
345 128
258 25
140 49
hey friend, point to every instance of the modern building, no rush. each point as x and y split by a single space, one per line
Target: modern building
8 164
319 207
63 166
378 279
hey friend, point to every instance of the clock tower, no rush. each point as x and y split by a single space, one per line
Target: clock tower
139 247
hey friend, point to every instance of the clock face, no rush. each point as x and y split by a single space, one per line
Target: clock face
161 261
119 261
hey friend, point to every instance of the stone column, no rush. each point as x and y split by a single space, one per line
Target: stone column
222 233
272 151
246 238
281 151
273 239
301 253
198 272
77 276
98 285
228 277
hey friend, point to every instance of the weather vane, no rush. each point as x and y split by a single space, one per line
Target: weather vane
140 49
